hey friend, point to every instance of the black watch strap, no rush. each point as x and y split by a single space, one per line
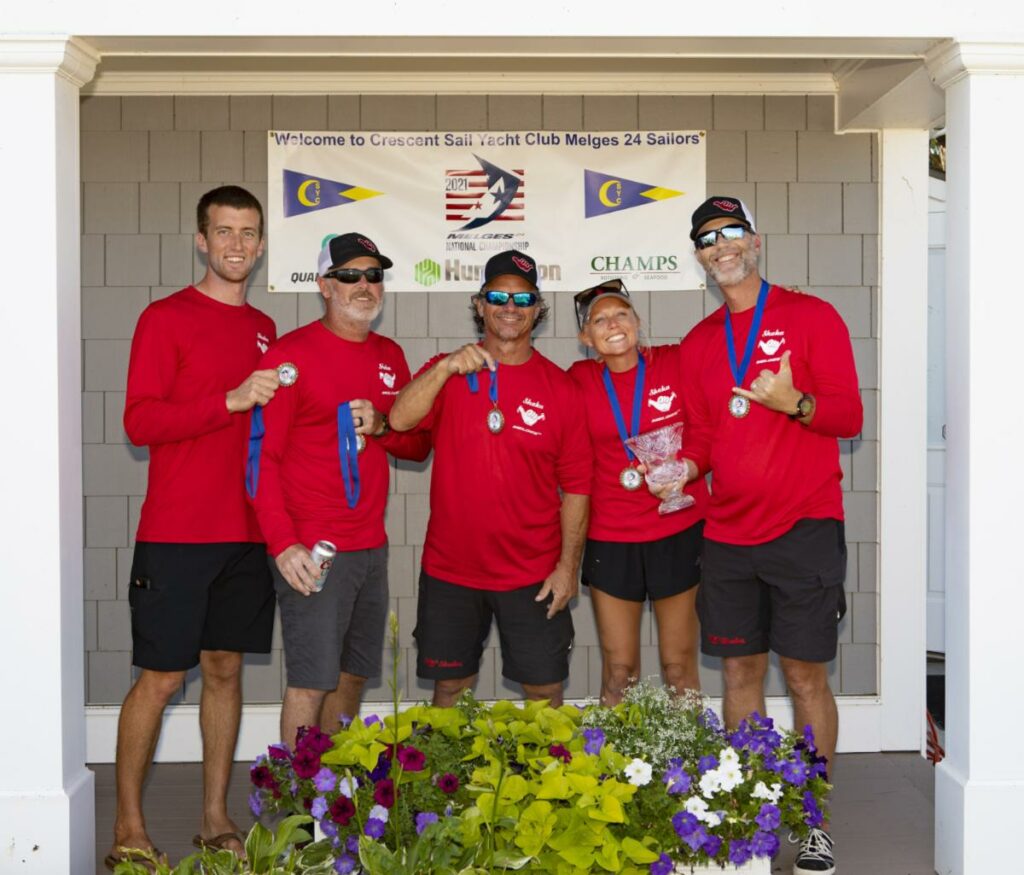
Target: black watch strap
805 400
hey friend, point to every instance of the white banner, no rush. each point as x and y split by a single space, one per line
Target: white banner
586 206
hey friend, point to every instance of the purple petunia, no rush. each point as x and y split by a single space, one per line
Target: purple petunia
380 771
352 844
813 815
764 844
809 738
255 804
594 742
374 828
330 829
712 845
373 718
795 772
662 866
424 819
769 817
707 763
412 759
325 780
697 838
684 823
319 808
709 720
739 851
344 864
676 778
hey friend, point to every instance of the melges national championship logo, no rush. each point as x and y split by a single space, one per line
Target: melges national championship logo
475 198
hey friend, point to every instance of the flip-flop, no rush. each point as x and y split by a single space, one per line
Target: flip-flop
219 842
132 855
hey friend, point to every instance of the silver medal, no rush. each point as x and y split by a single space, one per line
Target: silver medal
631 479
287 374
360 442
739 406
495 420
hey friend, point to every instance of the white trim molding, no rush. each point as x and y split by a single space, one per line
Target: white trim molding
949 62
70 58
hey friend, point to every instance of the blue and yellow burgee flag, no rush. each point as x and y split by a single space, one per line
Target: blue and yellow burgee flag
608 194
304 193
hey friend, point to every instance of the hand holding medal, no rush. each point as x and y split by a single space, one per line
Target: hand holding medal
366 420
772 390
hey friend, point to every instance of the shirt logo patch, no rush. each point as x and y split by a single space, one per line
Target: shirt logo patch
262 342
770 346
530 416
389 379
662 403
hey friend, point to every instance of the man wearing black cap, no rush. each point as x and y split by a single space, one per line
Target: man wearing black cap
773 385
509 495
320 473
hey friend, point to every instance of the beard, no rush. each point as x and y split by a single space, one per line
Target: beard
737 271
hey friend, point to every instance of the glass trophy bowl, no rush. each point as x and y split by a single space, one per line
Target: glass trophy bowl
657 450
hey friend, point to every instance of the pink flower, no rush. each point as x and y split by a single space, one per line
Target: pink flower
384 793
448 783
306 763
412 759
561 752
342 810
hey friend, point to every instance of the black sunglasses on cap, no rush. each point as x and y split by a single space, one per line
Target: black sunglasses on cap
499 298
586 298
350 275
729 232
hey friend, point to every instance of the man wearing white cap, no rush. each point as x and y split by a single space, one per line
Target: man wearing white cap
773 385
318 471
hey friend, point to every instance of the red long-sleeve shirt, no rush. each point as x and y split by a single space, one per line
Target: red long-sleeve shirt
189 350
300 497
768 470
495 507
617 514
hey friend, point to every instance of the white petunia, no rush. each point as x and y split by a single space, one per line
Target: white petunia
761 791
729 757
379 812
696 806
712 818
730 777
710 783
639 773
347 787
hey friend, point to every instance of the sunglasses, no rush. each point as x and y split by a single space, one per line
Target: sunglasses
584 299
350 275
520 299
729 232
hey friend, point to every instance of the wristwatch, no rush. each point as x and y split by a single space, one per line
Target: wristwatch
385 426
803 407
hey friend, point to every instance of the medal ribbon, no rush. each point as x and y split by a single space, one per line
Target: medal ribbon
492 392
252 462
348 453
740 371
638 396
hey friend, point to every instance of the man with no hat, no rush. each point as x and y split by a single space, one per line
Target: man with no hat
318 471
773 386
509 495
199 591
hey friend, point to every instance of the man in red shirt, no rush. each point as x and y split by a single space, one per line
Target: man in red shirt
509 495
322 475
772 387
200 591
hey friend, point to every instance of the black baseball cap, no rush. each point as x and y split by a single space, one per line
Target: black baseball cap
512 262
720 206
343 248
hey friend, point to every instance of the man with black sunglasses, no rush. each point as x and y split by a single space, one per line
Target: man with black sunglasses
772 387
320 473
509 495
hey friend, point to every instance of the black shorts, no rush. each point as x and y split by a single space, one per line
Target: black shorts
453 622
785 595
648 569
186 598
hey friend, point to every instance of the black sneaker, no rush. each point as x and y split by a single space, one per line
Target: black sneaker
815 855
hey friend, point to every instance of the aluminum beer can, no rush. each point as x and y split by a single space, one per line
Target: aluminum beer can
323 553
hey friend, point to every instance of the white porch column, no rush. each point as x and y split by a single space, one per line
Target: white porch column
979 791
46 794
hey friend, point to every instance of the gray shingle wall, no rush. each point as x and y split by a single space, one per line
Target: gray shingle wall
146 161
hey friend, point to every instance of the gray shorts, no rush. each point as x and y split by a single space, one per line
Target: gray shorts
340 628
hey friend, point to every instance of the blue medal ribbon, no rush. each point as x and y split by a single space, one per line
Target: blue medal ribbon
252 462
638 396
492 392
740 371
348 453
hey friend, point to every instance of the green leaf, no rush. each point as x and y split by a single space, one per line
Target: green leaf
608 811
607 856
504 858
554 785
636 852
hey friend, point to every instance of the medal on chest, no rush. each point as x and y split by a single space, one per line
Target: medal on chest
629 477
495 418
287 374
738 405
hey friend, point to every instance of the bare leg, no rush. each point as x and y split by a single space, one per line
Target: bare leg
342 701
138 730
813 703
677 640
551 692
220 711
744 687
447 692
301 707
618 630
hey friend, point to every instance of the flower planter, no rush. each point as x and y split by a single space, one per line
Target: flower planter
756 866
